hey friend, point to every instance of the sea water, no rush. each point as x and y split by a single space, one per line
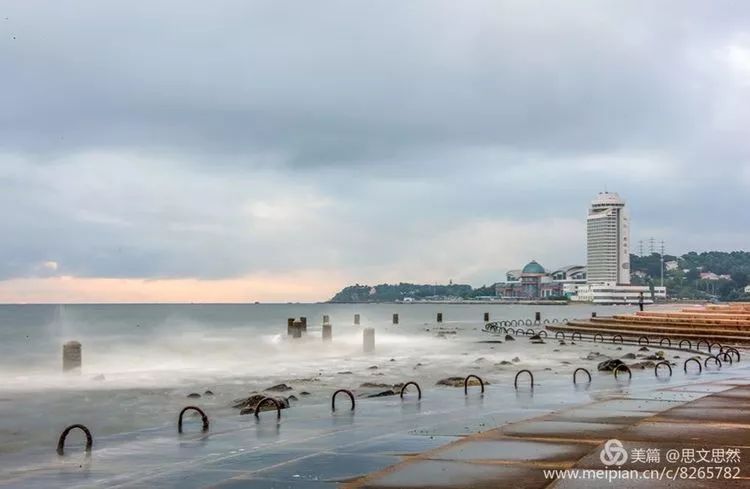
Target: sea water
140 362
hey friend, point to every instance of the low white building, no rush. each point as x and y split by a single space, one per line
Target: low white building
611 293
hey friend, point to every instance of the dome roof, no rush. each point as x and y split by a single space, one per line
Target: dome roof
533 267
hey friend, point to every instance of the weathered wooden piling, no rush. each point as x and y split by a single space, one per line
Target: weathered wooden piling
303 320
368 340
593 314
71 356
537 316
486 317
395 318
356 319
327 332
326 319
290 327
297 329
440 317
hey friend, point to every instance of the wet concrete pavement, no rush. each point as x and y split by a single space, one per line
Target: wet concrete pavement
712 414
504 438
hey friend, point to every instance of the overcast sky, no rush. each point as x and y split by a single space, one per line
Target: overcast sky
273 150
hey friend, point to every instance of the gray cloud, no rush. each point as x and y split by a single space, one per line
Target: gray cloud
216 140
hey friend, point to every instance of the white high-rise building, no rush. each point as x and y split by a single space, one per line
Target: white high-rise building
608 241
608 257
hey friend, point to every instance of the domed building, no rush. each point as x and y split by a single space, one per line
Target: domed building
534 282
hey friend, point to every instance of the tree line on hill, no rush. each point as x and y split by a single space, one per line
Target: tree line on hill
682 277
726 274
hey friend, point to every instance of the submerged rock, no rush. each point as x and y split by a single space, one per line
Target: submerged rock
595 355
609 365
345 372
292 398
247 405
372 367
279 388
509 338
643 348
373 385
193 395
535 337
628 356
304 393
208 393
642 365
389 392
99 377
516 360
458 381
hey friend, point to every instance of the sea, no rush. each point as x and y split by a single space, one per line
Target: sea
141 361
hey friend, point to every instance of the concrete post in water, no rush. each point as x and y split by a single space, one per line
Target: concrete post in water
486 317
537 316
297 329
395 318
356 319
71 356
303 320
290 327
593 314
368 340
326 319
440 317
327 332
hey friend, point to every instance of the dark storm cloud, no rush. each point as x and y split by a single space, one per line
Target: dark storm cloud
215 139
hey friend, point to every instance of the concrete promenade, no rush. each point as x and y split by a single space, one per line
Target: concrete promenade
717 417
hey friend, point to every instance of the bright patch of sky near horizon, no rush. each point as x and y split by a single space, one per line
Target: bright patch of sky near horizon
274 150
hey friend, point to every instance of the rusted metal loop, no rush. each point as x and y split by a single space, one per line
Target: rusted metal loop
529 322
529 332
618 336
698 345
555 321
623 367
669 342
581 369
726 357
344 391
711 347
643 338
690 345
204 418
716 360
560 333
565 320
419 390
546 321
542 332
734 351
537 321
520 331
466 383
573 336
663 362
266 400
64 435
531 378
513 322
693 359
599 335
